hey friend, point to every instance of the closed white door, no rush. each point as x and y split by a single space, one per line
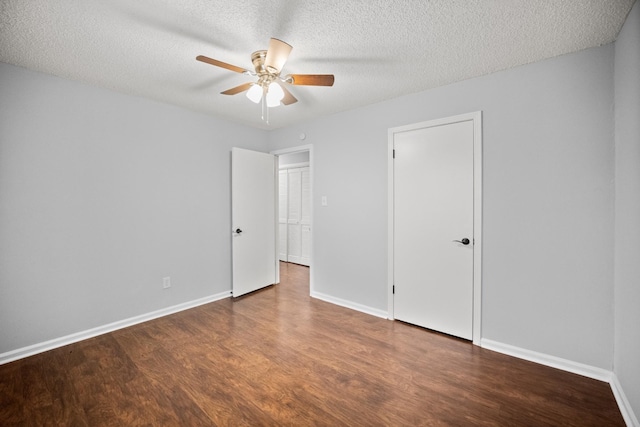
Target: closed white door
305 216
283 206
253 194
299 216
433 227
295 216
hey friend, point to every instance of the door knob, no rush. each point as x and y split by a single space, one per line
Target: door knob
238 231
464 241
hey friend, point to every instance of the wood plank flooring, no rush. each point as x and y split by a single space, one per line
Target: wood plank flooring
278 357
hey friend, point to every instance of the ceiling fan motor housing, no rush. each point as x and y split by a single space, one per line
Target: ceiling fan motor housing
265 75
257 58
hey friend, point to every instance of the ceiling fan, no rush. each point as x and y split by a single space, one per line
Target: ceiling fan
270 88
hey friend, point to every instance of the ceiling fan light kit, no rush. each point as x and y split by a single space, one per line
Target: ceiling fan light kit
275 94
270 88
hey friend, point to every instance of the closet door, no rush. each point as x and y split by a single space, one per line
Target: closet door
305 216
294 228
283 208
295 215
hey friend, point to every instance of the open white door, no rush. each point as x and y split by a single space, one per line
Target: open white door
253 194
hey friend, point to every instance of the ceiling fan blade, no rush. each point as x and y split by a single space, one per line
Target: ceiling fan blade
288 98
221 64
277 55
312 79
237 89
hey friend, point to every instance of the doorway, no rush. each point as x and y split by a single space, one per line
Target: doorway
294 208
295 225
435 225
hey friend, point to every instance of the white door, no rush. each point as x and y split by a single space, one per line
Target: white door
434 227
299 216
253 193
283 206
305 217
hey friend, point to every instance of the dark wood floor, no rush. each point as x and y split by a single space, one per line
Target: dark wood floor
278 357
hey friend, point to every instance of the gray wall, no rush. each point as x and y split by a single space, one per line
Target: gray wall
101 196
627 236
548 200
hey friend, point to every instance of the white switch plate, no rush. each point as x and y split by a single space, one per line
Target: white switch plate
166 282
324 201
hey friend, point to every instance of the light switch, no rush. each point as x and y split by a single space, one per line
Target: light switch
324 201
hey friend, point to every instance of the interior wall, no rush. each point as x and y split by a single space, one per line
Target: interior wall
102 195
627 209
548 200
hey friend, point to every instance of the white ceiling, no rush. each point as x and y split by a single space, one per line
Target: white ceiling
377 49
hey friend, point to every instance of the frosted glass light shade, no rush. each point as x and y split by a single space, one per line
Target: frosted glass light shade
274 95
255 93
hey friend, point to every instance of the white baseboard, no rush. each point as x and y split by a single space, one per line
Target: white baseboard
349 304
547 360
623 403
570 366
521 353
23 352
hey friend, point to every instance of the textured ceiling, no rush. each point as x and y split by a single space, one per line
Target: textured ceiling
377 49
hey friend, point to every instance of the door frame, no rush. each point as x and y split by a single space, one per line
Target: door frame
476 118
292 150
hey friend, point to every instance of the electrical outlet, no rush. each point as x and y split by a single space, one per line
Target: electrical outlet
166 282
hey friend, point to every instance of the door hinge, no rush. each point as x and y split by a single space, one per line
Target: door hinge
393 289
394 153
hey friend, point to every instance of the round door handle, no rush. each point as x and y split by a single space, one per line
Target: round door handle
464 241
238 231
